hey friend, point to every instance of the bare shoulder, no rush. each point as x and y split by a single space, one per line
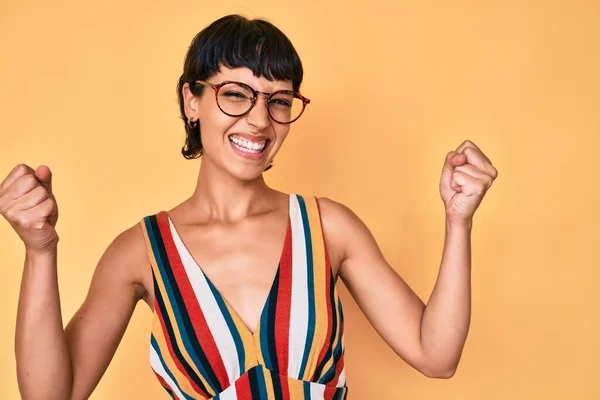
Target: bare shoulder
126 258
336 217
343 231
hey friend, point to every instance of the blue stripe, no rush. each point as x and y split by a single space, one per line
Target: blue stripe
306 385
261 382
264 337
237 339
337 351
154 344
179 322
310 286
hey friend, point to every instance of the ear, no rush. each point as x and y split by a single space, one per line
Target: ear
190 101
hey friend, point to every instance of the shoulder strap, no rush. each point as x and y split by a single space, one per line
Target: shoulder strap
313 234
153 227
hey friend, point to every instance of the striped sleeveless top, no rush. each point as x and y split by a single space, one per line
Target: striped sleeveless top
201 349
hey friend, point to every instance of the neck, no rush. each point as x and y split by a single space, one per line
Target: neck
221 197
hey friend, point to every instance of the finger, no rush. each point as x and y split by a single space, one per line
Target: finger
33 198
484 175
16 173
468 144
469 185
23 185
478 159
453 158
37 216
44 175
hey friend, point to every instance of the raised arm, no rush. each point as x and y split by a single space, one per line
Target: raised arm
429 337
53 363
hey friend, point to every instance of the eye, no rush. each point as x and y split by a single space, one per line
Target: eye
281 102
236 95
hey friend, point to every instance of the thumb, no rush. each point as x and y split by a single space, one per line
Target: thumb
453 159
44 175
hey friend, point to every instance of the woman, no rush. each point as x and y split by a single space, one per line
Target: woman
240 277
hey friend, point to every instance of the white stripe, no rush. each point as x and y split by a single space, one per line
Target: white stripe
299 302
158 368
210 308
317 391
342 379
229 393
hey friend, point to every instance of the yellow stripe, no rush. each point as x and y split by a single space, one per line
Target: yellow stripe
320 290
180 379
247 339
269 384
158 331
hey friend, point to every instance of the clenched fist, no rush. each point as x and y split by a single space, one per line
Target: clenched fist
466 177
27 203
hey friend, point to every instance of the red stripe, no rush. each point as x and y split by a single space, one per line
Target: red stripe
340 364
172 353
283 308
329 392
242 388
164 383
193 309
327 342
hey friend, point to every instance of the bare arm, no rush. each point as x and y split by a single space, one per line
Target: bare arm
53 363
96 329
57 364
43 365
429 338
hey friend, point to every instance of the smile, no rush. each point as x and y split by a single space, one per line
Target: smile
246 145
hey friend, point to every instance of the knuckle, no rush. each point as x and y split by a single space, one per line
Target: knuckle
29 180
42 192
11 215
22 168
28 223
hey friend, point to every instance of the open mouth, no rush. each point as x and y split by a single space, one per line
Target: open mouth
249 146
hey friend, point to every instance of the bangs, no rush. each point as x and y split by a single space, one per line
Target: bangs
234 41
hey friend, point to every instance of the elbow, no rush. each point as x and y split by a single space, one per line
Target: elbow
439 372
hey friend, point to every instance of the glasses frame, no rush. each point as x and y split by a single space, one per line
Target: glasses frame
217 86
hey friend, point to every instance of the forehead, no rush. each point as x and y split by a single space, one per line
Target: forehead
246 76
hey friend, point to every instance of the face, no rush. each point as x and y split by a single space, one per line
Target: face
242 146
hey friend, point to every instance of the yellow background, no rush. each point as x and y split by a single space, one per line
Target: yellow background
89 89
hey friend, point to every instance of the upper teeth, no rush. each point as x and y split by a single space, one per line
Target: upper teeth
247 144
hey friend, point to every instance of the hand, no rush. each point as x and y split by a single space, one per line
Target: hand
466 177
27 203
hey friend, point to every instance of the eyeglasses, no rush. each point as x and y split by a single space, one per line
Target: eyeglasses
236 99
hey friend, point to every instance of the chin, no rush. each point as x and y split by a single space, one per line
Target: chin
247 173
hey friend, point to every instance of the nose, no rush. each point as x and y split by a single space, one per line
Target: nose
259 114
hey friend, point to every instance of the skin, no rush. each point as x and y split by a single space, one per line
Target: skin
234 226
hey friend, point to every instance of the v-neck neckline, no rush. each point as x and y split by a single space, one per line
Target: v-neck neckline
234 314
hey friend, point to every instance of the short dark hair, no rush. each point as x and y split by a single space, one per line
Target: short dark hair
235 41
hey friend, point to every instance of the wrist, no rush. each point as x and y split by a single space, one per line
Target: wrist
459 223
41 254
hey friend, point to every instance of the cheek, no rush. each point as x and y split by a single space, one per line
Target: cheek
281 132
214 126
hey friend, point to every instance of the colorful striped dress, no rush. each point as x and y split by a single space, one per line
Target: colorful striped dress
201 349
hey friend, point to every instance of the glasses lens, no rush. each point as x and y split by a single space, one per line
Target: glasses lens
285 107
234 99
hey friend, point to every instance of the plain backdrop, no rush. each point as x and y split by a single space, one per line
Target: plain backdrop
88 88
